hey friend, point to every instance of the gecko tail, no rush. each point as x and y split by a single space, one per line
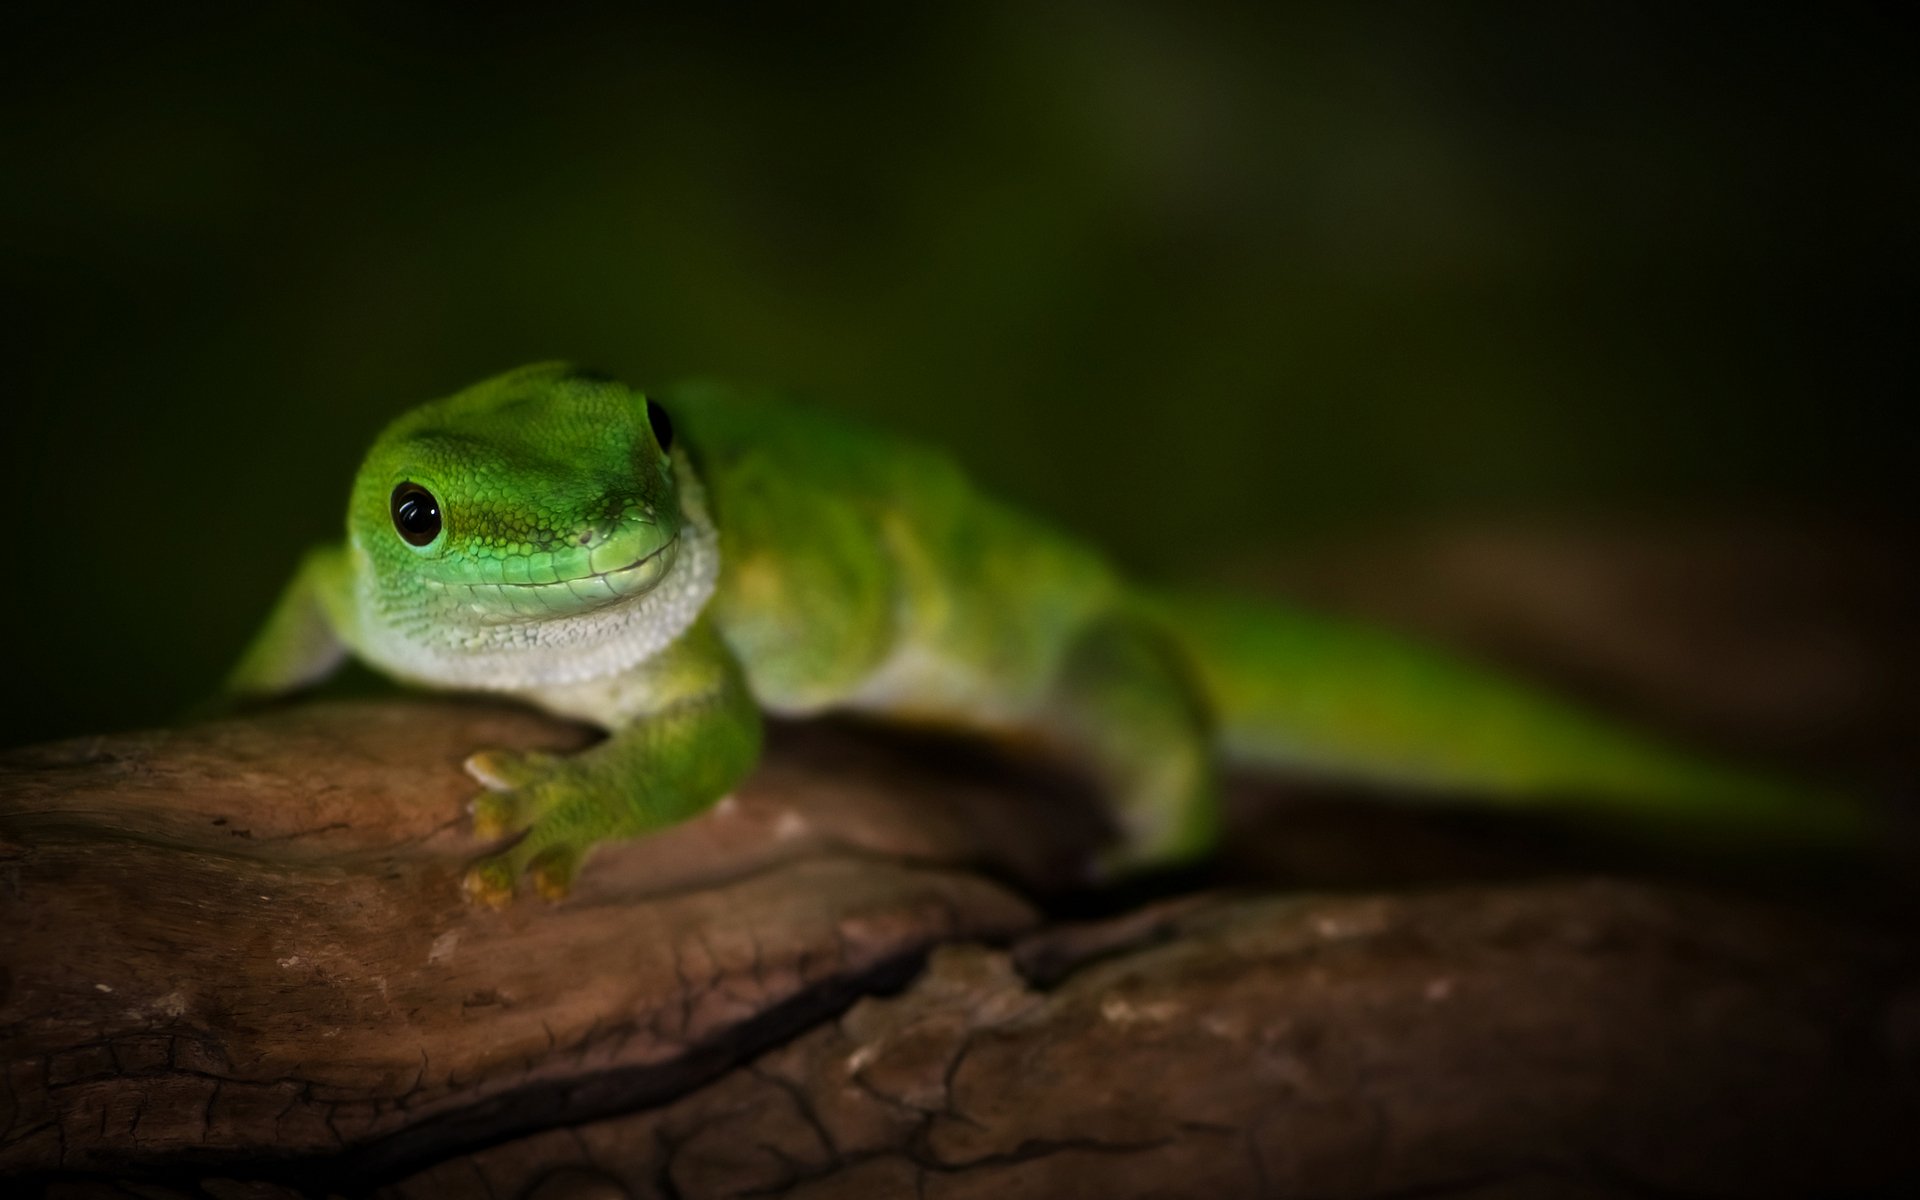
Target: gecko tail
1301 692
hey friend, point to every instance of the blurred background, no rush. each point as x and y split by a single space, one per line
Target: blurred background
1210 284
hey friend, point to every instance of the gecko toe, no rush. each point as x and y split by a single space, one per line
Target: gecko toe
553 871
506 770
496 814
489 883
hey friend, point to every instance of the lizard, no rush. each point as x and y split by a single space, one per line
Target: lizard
671 565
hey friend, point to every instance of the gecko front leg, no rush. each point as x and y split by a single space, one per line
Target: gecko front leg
683 733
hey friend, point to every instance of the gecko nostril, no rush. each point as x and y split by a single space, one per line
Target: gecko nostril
585 538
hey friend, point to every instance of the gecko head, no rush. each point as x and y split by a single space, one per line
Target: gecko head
542 493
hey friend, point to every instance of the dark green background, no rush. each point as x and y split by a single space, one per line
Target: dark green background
1195 280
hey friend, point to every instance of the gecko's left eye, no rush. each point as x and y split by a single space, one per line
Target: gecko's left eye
662 425
416 514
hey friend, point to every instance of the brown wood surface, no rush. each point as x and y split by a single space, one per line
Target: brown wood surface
237 963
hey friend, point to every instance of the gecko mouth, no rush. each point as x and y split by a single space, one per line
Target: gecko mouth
499 602
604 587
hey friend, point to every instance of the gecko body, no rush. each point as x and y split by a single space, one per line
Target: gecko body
671 566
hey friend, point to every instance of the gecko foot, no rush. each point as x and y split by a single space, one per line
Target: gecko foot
544 798
552 869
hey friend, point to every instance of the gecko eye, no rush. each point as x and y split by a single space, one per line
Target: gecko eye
416 514
662 426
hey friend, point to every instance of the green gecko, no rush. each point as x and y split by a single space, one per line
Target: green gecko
671 566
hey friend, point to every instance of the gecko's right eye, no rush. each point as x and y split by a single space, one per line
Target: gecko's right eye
662 425
416 514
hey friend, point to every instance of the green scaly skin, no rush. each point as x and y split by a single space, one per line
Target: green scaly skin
770 559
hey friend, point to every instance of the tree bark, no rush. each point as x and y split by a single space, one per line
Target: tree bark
237 963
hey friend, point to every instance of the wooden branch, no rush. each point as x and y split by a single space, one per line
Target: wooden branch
1581 1039
237 952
